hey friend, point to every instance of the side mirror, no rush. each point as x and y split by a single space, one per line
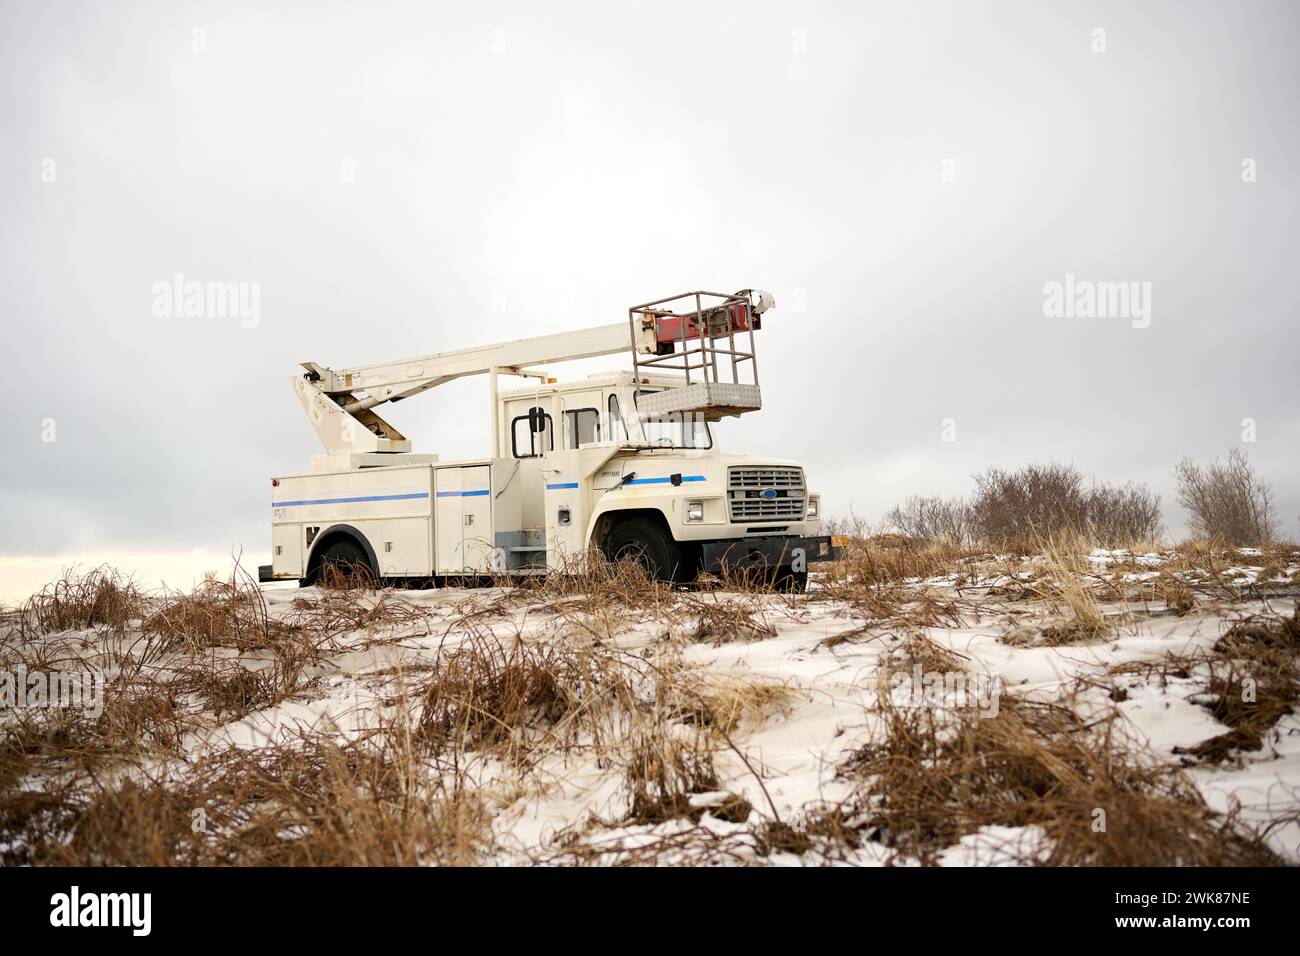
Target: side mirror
536 420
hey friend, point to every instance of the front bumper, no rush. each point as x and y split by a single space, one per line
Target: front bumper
717 557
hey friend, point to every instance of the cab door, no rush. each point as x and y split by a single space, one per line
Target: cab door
613 428
531 449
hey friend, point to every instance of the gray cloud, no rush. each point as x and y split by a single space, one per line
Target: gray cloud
565 165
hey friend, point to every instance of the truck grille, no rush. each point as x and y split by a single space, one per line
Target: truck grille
772 493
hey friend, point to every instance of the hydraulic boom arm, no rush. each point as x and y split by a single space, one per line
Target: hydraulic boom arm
340 402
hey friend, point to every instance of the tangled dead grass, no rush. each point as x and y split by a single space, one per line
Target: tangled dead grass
523 700
1248 680
101 597
337 611
892 558
1253 683
319 803
216 614
1098 797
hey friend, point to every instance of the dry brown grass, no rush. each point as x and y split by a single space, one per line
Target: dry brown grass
101 597
229 614
501 712
663 770
521 700
336 611
882 579
1254 682
316 803
1068 590
884 559
720 621
939 775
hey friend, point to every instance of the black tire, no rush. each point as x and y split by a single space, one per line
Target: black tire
646 543
345 559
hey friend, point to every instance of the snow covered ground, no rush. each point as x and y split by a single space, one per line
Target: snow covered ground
791 686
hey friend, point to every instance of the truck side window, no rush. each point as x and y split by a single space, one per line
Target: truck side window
616 427
584 427
529 444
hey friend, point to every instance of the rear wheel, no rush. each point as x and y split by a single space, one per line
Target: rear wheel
647 545
343 563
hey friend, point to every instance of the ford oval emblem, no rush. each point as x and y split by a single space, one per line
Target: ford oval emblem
768 493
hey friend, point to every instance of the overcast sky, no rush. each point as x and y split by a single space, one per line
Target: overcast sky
905 178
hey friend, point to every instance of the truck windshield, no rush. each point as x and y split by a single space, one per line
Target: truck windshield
676 430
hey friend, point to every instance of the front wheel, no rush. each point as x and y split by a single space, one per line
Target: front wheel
647 545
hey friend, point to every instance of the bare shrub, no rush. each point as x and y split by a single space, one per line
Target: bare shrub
1123 514
934 520
1227 501
1014 509
850 526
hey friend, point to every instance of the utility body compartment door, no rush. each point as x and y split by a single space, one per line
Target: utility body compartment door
463 519
477 540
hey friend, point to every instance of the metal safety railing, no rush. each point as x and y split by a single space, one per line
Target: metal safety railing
708 339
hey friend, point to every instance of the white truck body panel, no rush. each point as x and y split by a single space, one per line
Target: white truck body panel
418 520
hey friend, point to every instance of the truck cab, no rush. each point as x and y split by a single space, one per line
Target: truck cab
596 471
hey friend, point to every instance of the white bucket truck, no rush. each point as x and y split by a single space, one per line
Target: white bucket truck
624 462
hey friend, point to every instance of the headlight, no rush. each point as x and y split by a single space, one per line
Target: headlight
695 511
814 506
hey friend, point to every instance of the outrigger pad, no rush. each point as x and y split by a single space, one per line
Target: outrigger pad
713 400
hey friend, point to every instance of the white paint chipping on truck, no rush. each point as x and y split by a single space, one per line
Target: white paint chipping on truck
625 462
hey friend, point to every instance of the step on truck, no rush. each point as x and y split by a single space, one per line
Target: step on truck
625 463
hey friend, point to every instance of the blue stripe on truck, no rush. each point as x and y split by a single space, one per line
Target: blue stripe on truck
461 494
635 481
348 501
663 481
